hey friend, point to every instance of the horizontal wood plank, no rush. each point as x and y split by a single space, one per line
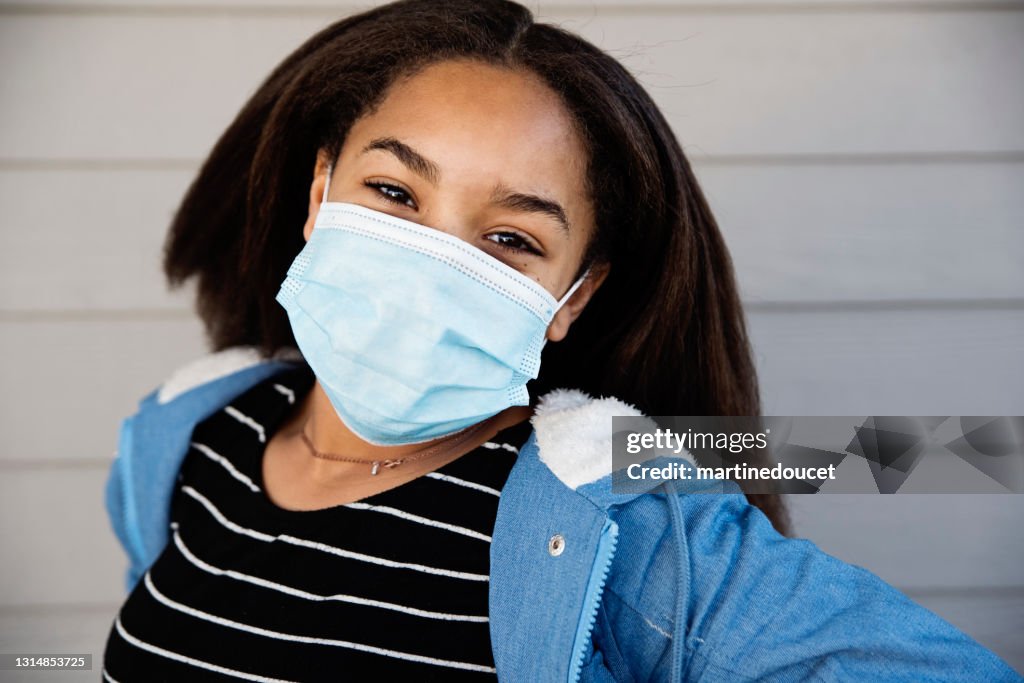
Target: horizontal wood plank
67 386
996 621
757 84
59 548
921 543
99 248
69 629
890 362
872 232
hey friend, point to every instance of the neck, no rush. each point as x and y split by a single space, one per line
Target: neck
329 433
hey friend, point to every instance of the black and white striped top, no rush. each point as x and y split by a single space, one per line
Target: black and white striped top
392 587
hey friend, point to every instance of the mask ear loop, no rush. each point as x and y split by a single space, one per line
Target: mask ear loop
572 289
327 185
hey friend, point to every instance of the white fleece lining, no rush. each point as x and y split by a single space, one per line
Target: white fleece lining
214 366
574 434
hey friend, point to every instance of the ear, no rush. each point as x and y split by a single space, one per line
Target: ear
316 191
567 314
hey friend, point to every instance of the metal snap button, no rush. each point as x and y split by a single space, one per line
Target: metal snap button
556 544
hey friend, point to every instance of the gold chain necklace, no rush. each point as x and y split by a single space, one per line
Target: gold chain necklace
391 463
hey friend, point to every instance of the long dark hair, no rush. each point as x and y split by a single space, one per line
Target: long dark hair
665 332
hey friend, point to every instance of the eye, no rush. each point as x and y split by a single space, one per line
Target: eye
392 193
514 242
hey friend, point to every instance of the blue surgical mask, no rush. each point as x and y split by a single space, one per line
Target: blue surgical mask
412 332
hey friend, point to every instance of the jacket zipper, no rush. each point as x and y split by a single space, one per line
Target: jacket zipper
592 600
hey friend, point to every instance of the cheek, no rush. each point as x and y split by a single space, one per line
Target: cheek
557 275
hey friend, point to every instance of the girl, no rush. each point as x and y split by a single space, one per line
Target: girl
428 239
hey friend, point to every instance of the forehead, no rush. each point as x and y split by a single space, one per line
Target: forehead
483 122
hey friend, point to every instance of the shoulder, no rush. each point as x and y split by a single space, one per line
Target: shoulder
197 388
574 434
214 366
154 439
661 531
575 437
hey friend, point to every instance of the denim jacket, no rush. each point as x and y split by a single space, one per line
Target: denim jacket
591 585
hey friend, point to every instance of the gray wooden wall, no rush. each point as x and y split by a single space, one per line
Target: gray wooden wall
865 159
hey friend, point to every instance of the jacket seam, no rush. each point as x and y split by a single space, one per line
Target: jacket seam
667 633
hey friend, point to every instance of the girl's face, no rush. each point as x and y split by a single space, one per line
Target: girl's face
486 154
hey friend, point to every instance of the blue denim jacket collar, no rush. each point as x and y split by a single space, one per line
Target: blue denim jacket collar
543 602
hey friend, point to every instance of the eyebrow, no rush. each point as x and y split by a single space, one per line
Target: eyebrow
501 195
518 201
416 162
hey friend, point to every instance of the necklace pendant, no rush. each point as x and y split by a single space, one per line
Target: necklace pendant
389 464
